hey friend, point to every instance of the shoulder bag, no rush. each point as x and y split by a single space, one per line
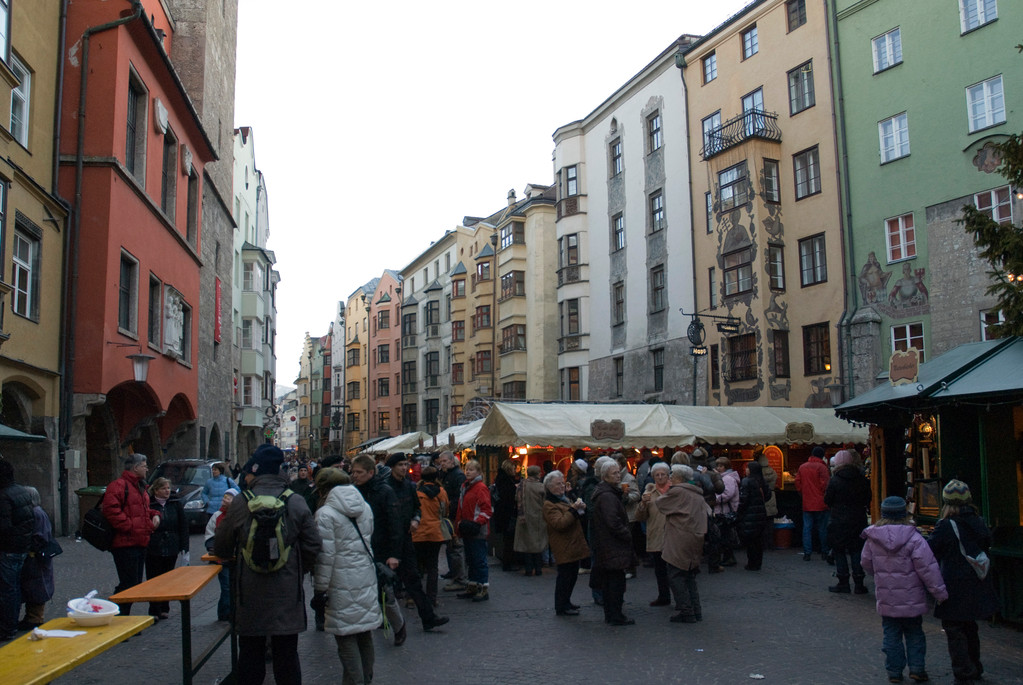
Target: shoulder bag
386 577
981 563
96 530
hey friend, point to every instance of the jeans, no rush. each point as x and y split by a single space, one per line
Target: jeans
687 596
10 592
252 659
356 654
911 630
224 603
426 556
455 555
846 558
130 562
568 574
476 560
818 520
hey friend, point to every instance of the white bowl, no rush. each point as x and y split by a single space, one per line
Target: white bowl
105 614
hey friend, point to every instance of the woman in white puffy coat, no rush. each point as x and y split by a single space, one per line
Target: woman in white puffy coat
346 577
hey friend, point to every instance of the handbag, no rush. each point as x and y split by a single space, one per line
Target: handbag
51 549
96 530
981 564
447 529
386 577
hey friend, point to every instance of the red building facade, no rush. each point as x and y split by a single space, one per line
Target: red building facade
132 156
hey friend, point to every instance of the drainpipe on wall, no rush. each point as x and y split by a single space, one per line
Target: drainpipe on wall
680 64
71 251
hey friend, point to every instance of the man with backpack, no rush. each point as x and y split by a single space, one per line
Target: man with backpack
274 537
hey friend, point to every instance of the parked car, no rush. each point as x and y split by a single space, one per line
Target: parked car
187 477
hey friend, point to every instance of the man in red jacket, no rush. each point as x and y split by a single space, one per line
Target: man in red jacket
126 507
811 482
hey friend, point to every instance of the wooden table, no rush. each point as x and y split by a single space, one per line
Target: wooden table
180 584
40 661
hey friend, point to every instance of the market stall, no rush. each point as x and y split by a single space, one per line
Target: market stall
959 416
406 442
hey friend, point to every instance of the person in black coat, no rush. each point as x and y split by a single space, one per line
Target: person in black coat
751 517
168 540
847 496
505 513
611 540
16 525
969 597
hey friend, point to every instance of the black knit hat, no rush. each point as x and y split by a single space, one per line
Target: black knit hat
266 459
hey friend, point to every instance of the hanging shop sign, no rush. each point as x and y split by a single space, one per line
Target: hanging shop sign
607 430
904 367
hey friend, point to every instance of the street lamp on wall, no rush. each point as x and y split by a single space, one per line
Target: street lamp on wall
140 366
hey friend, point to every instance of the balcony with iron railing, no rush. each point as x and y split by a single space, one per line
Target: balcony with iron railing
747 126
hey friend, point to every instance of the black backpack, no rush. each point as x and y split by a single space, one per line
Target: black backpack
96 530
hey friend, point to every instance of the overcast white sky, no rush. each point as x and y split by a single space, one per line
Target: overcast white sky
379 125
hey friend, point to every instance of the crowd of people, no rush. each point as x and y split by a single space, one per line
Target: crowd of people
370 535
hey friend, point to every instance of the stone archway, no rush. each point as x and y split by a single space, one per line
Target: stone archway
213 445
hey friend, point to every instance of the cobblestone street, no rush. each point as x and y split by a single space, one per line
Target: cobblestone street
780 623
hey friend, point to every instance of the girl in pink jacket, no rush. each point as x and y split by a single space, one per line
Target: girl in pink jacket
904 570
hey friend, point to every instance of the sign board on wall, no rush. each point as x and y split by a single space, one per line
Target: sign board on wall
607 430
904 367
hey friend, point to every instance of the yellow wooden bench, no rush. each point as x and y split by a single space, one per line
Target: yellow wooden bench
28 662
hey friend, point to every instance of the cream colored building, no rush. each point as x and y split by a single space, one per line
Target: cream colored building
768 229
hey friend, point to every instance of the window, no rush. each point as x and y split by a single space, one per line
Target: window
431 312
155 310
710 67
816 349
901 238
653 131
513 338
991 317
458 288
753 121
985 104
20 99
570 249
192 210
25 275
712 141
742 357
169 176
249 390
616 157
457 373
513 234
657 357
482 318
996 203
383 387
135 134
714 368
796 13
383 354
5 29
571 181
353 357
618 303
709 200
772 181
813 266
780 354
801 88
384 422
750 43
408 375
383 319
887 49
457 331
483 271
353 422
572 383
513 284
732 187
658 296
656 211
617 232
712 286
893 135
247 341
252 276
908 335
738 272
514 390
127 290
976 13
483 364
619 376
571 323
186 332
776 267
806 166
431 368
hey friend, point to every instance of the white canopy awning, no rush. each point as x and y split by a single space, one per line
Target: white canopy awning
406 442
767 425
464 436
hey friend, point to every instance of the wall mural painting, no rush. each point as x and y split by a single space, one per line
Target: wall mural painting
907 296
752 393
873 281
777 318
820 394
988 158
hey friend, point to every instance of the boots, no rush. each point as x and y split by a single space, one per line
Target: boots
860 588
470 591
483 593
843 585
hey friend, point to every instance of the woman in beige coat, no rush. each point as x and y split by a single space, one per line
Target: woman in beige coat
648 512
567 540
530 531
685 524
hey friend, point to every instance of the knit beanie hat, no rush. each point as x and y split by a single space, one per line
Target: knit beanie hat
266 459
893 508
956 492
841 458
582 465
231 491
818 452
